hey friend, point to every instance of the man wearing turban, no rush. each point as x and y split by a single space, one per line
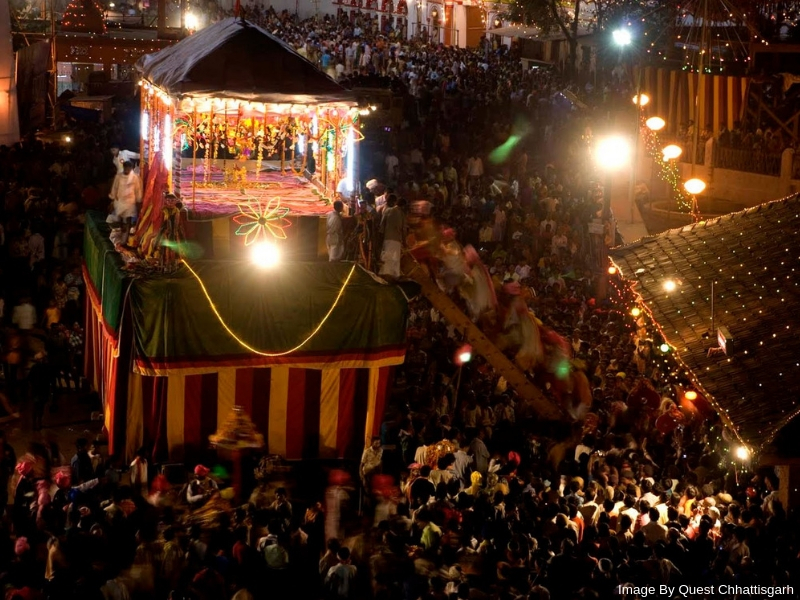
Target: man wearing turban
201 488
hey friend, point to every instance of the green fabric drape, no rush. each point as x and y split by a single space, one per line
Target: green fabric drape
105 267
270 310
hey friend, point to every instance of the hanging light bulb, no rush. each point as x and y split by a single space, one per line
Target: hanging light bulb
671 152
695 186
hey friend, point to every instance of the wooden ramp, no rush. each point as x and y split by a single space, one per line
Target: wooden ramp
516 378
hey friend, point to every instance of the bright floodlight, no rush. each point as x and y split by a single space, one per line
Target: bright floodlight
636 311
265 255
655 123
622 37
671 152
612 270
191 21
670 285
613 152
695 186
742 453
641 100
690 395
664 347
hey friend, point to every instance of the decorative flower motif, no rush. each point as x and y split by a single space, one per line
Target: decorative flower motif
256 219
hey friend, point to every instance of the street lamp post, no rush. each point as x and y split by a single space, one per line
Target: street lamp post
611 154
622 39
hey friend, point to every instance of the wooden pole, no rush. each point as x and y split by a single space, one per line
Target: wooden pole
194 155
162 18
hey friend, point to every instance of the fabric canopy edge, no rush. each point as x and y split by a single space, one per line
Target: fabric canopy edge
385 357
93 297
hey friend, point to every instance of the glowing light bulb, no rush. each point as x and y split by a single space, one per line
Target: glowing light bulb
191 21
664 347
612 270
613 152
690 395
622 37
265 255
670 285
655 123
742 453
671 152
695 186
636 311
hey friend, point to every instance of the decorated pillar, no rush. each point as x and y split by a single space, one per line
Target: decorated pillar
9 117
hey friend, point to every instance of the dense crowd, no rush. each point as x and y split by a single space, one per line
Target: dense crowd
466 494
46 185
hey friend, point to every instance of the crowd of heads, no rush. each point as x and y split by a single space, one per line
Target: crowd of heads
467 493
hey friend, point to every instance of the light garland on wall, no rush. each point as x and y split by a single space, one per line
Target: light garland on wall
79 11
250 348
668 170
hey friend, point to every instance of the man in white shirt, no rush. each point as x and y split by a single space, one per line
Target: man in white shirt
475 169
126 192
393 224
334 238
35 249
120 157
647 491
341 578
371 462
24 315
589 507
629 509
392 163
654 531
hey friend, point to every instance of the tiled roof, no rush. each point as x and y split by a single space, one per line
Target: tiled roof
753 258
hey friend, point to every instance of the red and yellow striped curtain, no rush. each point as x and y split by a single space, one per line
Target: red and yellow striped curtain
303 413
101 360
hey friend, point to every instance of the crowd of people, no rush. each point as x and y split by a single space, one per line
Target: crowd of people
466 494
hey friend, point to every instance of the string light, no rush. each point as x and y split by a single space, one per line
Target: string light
250 348
674 355
668 170
84 16
673 371
769 229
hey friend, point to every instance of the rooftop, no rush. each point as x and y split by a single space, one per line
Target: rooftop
753 259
